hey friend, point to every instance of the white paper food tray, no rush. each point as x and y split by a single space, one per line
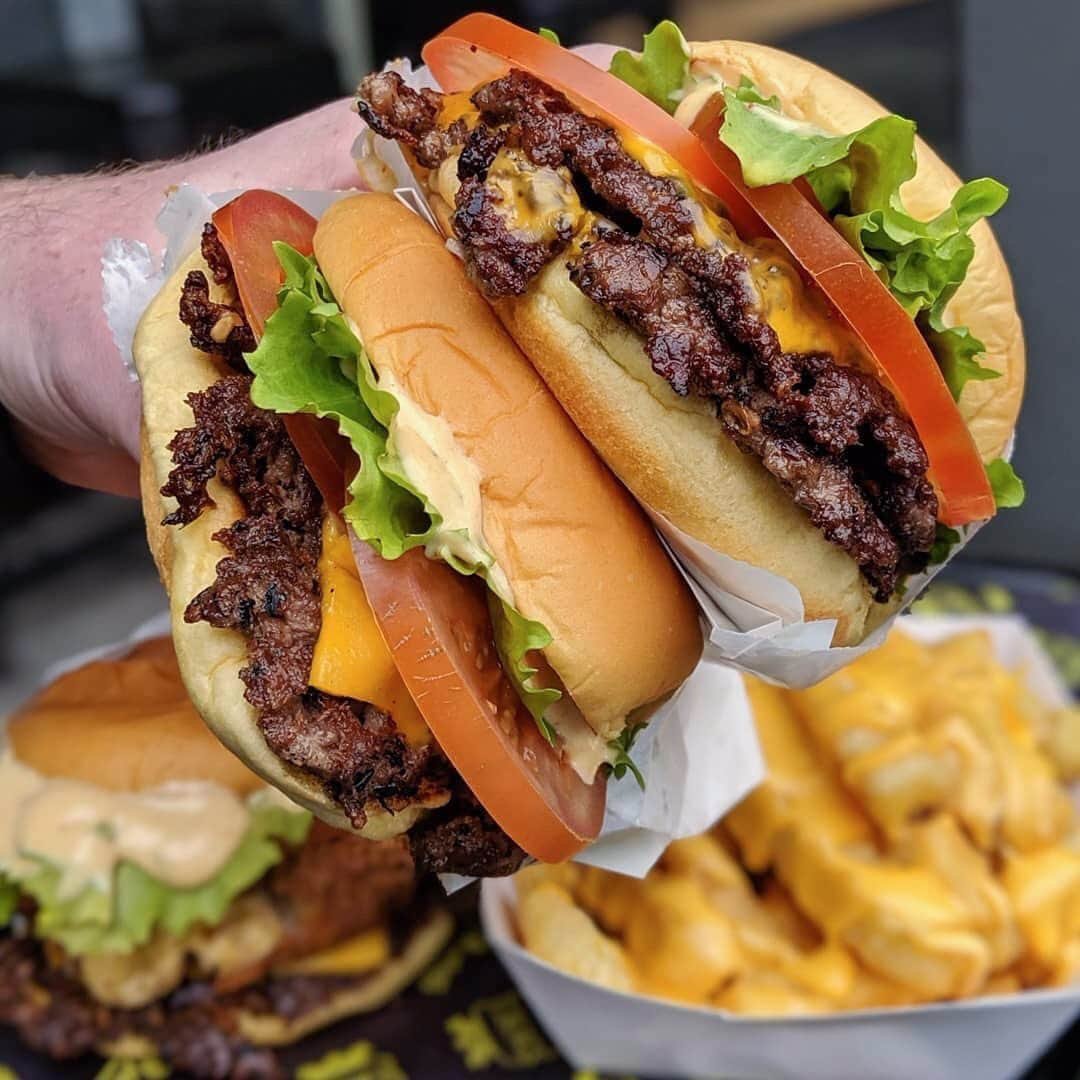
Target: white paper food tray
990 1038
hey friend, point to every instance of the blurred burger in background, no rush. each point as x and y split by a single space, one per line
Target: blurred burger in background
157 898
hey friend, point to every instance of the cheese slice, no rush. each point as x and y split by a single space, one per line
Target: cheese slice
351 658
354 956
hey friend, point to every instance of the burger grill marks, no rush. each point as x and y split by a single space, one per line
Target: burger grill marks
268 590
832 435
331 888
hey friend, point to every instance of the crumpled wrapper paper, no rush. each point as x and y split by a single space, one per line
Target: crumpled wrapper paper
699 754
992 1038
755 617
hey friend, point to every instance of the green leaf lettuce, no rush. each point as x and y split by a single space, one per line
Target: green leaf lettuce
515 637
1007 487
9 899
857 178
660 71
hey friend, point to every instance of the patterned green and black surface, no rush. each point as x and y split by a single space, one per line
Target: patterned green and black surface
464 1018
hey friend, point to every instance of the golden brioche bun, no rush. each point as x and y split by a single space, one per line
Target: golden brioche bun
125 725
672 453
579 554
363 994
210 660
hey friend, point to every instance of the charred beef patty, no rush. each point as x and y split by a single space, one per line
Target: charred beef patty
333 887
267 589
831 434
215 328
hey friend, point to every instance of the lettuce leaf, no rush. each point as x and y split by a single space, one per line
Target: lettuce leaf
857 178
945 539
126 916
660 70
9 900
309 360
549 35
956 349
298 367
515 637
1007 487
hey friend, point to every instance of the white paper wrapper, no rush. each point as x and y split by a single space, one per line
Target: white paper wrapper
988 1038
699 756
755 617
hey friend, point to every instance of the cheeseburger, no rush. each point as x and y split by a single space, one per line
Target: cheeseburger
404 588
773 310
157 898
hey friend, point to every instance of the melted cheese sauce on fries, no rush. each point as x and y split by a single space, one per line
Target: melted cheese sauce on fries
914 842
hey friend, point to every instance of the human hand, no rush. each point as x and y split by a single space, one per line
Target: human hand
76 410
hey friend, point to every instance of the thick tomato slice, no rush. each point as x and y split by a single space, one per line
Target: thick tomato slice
248 227
435 622
482 47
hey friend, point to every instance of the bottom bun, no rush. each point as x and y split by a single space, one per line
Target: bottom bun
211 660
367 993
673 454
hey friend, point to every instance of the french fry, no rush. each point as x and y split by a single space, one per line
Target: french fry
1044 888
872 991
555 929
941 846
800 787
903 922
768 993
681 946
566 874
610 898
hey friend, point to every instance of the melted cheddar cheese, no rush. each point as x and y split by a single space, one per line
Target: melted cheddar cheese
354 956
351 658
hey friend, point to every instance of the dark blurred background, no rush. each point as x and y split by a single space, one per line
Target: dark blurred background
91 82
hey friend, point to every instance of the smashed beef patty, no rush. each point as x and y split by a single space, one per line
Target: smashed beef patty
833 436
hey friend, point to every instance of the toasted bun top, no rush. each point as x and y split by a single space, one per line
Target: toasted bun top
579 554
125 725
985 302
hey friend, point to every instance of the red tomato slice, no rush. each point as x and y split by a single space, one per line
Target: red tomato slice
481 47
903 357
248 227
436 623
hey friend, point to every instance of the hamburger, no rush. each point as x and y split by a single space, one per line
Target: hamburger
404 588
157 898
774 311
